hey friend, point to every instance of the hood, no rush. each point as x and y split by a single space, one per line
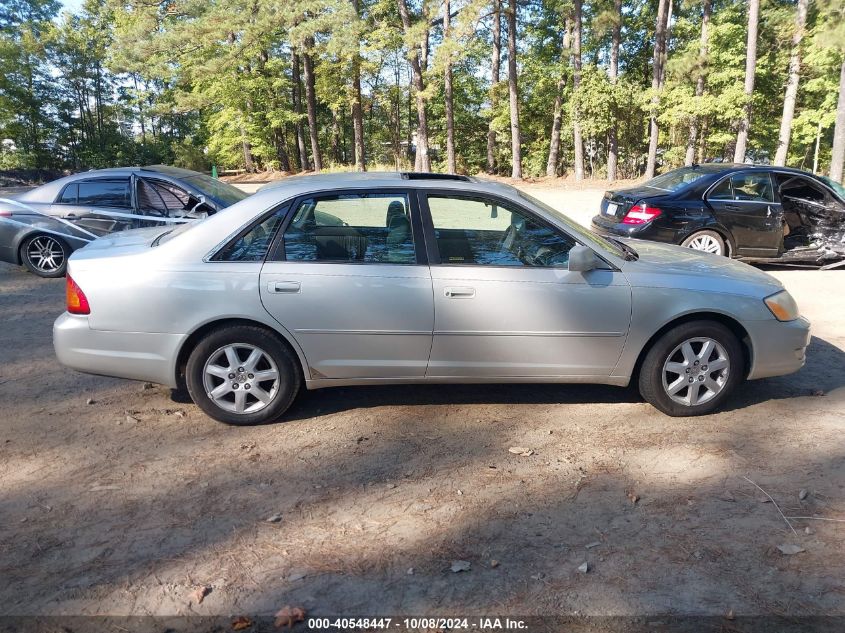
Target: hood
678 266
119 244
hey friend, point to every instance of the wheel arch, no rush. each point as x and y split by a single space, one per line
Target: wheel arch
728 321
196 336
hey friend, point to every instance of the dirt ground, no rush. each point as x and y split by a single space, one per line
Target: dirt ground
130 503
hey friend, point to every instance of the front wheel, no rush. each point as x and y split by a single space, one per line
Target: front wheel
45 255
707 241
692 369
242 374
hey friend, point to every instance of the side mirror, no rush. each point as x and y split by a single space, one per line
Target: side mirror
582 259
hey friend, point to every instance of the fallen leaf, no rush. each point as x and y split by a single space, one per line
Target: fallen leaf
789 549
802 494
460 565
494 563
200 593
727 496
241 623
521 450
584 568
633 497
275 518
730 615
288 616
592 545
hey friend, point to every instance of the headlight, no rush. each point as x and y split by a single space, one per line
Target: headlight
782 305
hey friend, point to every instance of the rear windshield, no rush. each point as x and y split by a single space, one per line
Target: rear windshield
217 189
677 178
838 188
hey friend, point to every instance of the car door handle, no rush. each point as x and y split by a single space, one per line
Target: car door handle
71 216
459 292
732 207
284 287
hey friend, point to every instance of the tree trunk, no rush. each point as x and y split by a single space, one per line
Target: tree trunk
336 156
689 159
557 115
837 155
513 92
576 83
616 38
791 85
451 165
494 82
358 120
297 108
311 102
750 71
249 164
422 161
656 76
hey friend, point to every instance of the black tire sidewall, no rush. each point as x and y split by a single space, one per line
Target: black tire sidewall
651 371
59 272
269 342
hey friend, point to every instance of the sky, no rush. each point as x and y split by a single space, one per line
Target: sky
71 5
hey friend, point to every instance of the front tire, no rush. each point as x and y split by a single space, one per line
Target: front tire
692 369
45 256
242 375
706 241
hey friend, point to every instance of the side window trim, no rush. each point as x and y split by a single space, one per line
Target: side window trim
277 249
429 230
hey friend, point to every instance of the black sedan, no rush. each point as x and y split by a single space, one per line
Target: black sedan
757 213
42 227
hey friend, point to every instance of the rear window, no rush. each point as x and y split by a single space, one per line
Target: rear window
224 192
676 179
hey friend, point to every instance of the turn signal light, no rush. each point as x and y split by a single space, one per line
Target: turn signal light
641 214
77 302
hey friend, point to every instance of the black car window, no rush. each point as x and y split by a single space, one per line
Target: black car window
484 232
362 228
722 191
252 245
104 193
797 187
753 187
69 194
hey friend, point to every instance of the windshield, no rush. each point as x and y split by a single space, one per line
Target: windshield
588 236
837 187
676 179
222 191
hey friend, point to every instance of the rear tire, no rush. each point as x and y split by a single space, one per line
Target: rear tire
707 242
692 369
243 375
45 255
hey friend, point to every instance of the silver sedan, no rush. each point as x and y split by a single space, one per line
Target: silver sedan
359 279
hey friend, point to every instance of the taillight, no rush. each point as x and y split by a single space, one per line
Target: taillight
640 214
77 302
5 213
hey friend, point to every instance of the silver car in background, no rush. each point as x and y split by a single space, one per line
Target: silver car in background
359 279
42 227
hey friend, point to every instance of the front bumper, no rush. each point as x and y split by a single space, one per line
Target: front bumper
779 347
135 355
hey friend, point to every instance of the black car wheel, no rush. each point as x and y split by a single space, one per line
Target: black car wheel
242 374
707 241
45 255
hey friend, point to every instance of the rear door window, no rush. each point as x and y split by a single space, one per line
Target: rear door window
368 228
162 198
104 193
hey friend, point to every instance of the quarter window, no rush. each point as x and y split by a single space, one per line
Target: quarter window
484 232
69 194
357 228
253 244
104 193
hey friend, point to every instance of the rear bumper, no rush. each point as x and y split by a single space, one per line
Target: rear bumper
779 347
607 225
135 355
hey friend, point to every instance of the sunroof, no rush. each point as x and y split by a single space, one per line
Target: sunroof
425 175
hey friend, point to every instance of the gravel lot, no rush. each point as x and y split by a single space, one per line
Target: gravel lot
130 503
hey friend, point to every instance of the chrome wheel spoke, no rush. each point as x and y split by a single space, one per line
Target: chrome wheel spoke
706 351
217 370
676 368
689 355
262 395
692 394
252 361
676 386
267 374
220 391
232 358
712 385
240 401
715 365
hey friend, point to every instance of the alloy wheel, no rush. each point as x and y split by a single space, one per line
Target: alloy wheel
45 254
705 242
240 378
696 371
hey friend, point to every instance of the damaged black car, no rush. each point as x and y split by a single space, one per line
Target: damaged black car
760 214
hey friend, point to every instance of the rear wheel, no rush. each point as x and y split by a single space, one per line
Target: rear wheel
45 255
692 369
242 374
707 241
